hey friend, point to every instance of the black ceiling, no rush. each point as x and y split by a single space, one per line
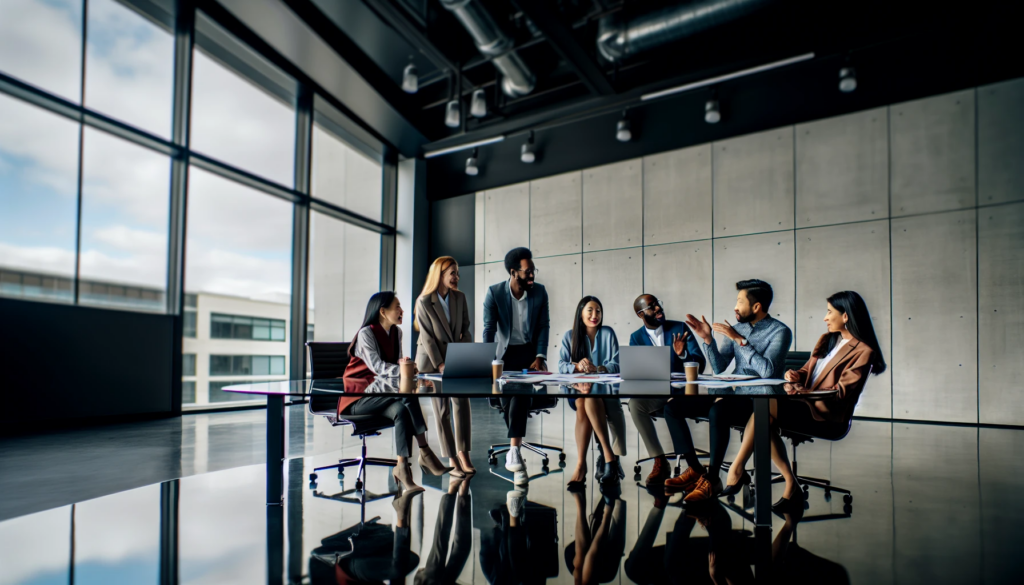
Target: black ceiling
557 39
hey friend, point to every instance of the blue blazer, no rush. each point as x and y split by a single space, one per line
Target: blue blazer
498 317
669 328
606 352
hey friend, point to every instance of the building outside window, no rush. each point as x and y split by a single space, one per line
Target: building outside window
237 327
247 365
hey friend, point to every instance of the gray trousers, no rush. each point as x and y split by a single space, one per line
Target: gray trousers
404 411
641 410
454 424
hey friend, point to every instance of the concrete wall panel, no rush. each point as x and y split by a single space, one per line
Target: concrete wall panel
680 275
842 169
753 178
765 256
613 206
934 307
1001 321
479 254
556 215
615 277
824 267
507 220
677 196
932 143
562 276
1001 142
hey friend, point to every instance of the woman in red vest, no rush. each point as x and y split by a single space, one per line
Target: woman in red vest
375 351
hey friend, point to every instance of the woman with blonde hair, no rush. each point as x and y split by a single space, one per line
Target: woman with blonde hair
442 317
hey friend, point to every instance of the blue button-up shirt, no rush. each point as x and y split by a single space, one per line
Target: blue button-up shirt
764 355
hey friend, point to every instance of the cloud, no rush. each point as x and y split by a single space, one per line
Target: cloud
50 260
41 43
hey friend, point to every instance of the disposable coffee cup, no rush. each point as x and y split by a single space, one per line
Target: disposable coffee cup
692 389
497 366
408 369
691 371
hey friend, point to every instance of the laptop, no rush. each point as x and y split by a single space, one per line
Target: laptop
643 362
469 360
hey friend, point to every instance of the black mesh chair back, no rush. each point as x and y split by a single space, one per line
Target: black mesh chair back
794 361
327 359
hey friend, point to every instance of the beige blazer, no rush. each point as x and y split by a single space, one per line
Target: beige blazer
847 372
435 330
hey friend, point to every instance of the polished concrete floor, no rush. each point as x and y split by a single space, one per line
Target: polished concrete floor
932 504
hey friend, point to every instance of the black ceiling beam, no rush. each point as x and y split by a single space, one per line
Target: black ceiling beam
400 21
561 38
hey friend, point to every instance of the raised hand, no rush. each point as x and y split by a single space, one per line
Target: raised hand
700 328
679 343
727 330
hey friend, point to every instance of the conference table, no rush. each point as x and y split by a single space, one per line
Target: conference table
278 392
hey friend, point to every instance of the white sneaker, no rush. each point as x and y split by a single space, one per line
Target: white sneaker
514 460
520 478
515 500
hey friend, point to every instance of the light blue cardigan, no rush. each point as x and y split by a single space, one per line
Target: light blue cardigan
606 352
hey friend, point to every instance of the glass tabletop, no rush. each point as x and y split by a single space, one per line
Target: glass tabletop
480 388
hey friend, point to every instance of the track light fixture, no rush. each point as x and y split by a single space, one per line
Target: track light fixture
712 113
452 114
478 106
410 79
847 79
622 130
528 154
472 168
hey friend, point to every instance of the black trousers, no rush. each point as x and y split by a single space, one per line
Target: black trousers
796 416
722 416
519 357
517 408
404 411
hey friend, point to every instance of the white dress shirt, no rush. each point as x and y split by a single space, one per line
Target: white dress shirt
520 318
657 335
368 351
819 367
447 311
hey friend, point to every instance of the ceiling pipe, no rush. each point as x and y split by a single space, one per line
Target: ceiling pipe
517 79
618 38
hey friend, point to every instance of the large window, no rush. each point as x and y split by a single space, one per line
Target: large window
246 365
41 44
344 270
236 327
343 175
38 200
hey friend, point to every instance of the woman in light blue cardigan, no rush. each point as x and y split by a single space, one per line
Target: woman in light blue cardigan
590 348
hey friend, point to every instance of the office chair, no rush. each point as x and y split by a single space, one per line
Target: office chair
329 360
542 407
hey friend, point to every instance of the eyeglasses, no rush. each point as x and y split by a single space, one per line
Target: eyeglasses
654 305
533 271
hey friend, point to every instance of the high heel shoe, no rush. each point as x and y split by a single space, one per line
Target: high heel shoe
429 462
793 505
610 472
403 477
466 463
733 489
403 502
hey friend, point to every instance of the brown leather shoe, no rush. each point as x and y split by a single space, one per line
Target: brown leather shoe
703 490
683 482
660 472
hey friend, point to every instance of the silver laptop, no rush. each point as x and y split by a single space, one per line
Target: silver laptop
469 360
643 362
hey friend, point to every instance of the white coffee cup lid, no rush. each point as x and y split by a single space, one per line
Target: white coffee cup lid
691 364
497 363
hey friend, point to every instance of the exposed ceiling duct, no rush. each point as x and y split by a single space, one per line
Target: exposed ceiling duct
618 38
517 79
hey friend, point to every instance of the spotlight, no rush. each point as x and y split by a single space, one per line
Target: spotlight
622 131
451 114
528 154
471 165
410 79
847 79
478 107
712 114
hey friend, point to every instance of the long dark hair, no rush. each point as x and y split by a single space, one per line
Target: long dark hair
858 324
378 301
578 349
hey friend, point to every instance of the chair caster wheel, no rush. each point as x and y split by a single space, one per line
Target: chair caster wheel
341 476
847 499
312 485
493 461
828 496
561 464
312 477
847 509
636 477
545 470
561 456
359 485
636 469
544 462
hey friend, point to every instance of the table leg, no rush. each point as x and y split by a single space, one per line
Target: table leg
275 545
762 464
275 450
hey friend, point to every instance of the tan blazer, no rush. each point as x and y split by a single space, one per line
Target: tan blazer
847 372
435 330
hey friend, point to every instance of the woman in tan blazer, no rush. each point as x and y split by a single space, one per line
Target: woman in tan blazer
841 361
442 317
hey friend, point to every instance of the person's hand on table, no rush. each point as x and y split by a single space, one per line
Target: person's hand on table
584 366
538 365
679 343
583 388
602 370
727 330
795 389
700 328
792 376
427 384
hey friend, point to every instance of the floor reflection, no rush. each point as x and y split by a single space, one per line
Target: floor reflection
931 504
